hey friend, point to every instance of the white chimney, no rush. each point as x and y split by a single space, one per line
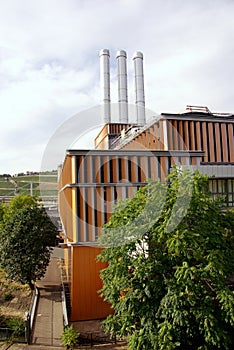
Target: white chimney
122 86
105 84
139 87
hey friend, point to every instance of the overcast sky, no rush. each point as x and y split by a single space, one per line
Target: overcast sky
49 63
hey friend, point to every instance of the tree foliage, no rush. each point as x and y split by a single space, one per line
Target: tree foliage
25 240
2 206
170 251
18 203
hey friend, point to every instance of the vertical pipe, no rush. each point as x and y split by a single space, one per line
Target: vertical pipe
105 84
31 188
139 87
122 86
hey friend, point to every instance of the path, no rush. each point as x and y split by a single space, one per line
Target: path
48 324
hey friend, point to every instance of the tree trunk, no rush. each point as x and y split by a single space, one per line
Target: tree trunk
31 285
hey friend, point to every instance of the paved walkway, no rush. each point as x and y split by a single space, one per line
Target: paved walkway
48 324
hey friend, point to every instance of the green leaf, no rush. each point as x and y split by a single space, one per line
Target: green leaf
169 279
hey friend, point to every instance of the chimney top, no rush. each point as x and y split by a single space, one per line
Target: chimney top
121 53
104 52
137 54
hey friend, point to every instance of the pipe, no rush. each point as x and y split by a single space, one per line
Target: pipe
122 86
105 84
139 87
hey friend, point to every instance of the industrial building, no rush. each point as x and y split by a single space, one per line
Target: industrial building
126 155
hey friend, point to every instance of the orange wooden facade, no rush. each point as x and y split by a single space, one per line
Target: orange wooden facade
108 133
190 131
86 302
96 180
101 177
93 180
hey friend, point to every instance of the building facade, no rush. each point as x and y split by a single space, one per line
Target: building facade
125 157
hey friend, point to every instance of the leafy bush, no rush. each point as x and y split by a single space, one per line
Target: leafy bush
17 325
7 296
2 321
69 337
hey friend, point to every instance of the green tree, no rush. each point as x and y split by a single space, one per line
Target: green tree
2 207
170 253
25 243
17 203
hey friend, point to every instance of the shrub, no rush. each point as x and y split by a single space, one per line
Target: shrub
69 337
7 296
17 325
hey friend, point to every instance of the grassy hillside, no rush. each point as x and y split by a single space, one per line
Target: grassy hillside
42 184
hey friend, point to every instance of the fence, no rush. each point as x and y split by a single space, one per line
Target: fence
8 333
92 338
5 333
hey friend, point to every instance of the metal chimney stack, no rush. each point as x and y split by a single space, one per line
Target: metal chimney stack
139 87
105 84
122 86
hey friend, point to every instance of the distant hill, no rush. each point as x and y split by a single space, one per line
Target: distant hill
43 184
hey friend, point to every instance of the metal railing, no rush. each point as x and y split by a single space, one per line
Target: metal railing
30 315
5 333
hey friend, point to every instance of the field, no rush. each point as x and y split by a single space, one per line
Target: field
42 185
